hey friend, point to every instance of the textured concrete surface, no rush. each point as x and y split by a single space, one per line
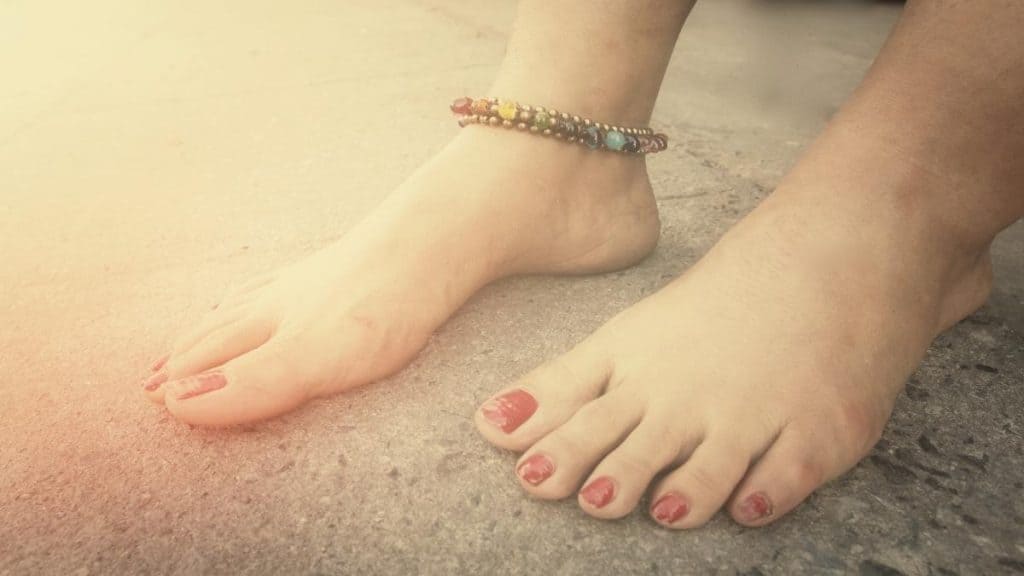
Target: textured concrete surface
151 154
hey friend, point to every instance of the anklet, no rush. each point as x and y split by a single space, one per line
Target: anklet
550 122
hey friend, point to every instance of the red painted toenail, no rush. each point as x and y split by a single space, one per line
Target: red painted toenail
156 366
536 469
510 410
154 381
756 507
599 492
670 508
201 384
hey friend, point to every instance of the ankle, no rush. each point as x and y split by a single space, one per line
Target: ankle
545 206
888 220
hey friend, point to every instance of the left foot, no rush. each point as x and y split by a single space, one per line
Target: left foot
766 370
362 308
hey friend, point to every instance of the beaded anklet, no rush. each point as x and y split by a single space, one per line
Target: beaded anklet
549 122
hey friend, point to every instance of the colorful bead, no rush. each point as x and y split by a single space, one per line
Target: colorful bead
507 110
568 128
591 137
550 122
482 107
541 120
648 145
632 145
462 106
614 140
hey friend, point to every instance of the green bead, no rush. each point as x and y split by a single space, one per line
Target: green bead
614 140
542 120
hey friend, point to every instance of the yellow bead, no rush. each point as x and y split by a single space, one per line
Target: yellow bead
507 110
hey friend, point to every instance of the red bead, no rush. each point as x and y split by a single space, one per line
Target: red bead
462 105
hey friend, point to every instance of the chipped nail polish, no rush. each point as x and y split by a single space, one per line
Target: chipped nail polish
510 410
156 366
200 384
599 492
536 469
756 507
154 381
670 508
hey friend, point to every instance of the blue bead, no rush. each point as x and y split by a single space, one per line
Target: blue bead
614 140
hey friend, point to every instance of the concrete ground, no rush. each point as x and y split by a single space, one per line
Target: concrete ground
151 154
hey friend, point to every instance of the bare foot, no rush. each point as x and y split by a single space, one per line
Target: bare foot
492 204
766 370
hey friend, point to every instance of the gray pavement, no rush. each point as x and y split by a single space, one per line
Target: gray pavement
151 154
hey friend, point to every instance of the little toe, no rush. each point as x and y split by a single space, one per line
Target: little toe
543 399
556 465
260 384
216 348
620 480
690 495
794 467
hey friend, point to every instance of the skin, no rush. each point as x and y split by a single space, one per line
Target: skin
773 364
361 309
767 369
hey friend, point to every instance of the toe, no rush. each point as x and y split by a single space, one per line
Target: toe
556 465
216 348
260 384
794 466
159 363
690 495
543 399
620 480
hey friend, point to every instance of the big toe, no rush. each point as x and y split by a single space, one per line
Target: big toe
259 384
544 399
213 349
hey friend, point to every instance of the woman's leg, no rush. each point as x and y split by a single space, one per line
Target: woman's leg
773 364
490 204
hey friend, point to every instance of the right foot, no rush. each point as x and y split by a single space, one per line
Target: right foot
491 204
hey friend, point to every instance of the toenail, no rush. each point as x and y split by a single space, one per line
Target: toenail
510 410
154 381
599 492
670 508
536 469
756 507
200 384
156 366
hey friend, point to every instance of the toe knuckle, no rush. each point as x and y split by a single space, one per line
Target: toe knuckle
631 464
563 441
561 370
808 472
591 416
703 479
